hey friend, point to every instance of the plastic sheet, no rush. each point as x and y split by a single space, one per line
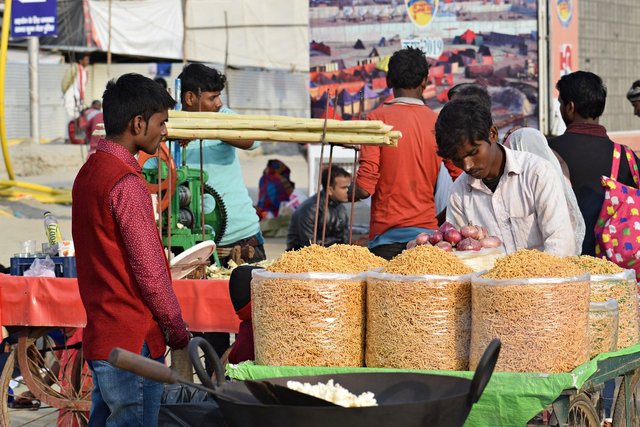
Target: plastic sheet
418 322
542 322
481 260
623 288
184 406
310 319
603 327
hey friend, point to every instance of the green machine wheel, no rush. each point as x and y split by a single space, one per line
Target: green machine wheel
215 213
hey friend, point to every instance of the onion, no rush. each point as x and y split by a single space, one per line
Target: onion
446 226
411 244
469 244
490 242
422 238
470 231
436 237
445 246
482 232
452 236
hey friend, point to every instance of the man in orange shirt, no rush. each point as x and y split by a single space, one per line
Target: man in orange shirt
402 180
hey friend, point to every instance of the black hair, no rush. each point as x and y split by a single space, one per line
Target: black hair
636 84
129 96
199 78
336 171
461 121
407 68
96 103
471 91
161 81
587 92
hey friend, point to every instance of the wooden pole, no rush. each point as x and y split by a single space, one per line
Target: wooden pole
184 33
109 42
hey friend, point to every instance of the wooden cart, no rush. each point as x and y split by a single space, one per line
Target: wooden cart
46 315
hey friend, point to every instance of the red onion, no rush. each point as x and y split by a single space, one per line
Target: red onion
452 236
411 244
470 231
435 237
446 226
482 232
469 244
445 246
490 242
422 238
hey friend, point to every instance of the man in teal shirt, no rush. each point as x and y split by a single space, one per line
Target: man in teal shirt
242 241
201 88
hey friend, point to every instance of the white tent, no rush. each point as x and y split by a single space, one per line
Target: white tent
271 34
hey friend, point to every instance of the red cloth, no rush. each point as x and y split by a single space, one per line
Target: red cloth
592 129
93 121
243 348
36 301
402 179
123 275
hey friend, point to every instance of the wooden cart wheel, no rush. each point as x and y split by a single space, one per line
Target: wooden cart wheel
56 373
5 378
619 414
582 413
167 186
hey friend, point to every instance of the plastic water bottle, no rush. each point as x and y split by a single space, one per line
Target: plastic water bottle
52 229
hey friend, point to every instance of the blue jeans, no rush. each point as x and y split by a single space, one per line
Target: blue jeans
120 398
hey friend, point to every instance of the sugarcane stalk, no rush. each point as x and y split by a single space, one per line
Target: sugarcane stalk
390 138
302 124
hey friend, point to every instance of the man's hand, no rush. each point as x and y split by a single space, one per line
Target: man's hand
179 339
360 193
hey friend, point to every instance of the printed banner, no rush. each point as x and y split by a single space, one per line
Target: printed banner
492 42
34 18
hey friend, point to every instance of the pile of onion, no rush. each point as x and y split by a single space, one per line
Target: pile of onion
447 237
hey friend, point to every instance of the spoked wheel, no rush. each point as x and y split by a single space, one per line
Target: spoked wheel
55 372
619 412
5 378
582 413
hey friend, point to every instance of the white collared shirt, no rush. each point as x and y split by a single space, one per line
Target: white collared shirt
527 211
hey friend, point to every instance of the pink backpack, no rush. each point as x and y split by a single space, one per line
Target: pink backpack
618 226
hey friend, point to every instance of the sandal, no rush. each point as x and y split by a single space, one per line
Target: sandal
21 402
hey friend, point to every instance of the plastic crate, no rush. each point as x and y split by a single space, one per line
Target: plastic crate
65 266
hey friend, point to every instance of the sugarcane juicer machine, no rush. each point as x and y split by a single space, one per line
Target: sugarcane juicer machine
181 192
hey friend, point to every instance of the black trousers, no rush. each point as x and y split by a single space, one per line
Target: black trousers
389 251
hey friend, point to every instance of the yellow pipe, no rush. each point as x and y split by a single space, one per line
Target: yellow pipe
34 187
4 42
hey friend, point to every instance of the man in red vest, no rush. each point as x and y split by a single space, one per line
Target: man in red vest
123 273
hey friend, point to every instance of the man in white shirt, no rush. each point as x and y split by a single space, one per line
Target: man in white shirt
516 195
74 84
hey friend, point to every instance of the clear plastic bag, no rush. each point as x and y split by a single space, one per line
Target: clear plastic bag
623 288
418 322
481 260
310 319
603 327
543 323
41 267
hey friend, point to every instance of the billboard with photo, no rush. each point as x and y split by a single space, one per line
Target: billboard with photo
491 42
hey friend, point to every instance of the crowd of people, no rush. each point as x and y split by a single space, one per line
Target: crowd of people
530 192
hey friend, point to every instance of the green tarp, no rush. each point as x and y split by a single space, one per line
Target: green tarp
510 399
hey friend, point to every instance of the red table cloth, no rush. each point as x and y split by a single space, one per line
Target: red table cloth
43 301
